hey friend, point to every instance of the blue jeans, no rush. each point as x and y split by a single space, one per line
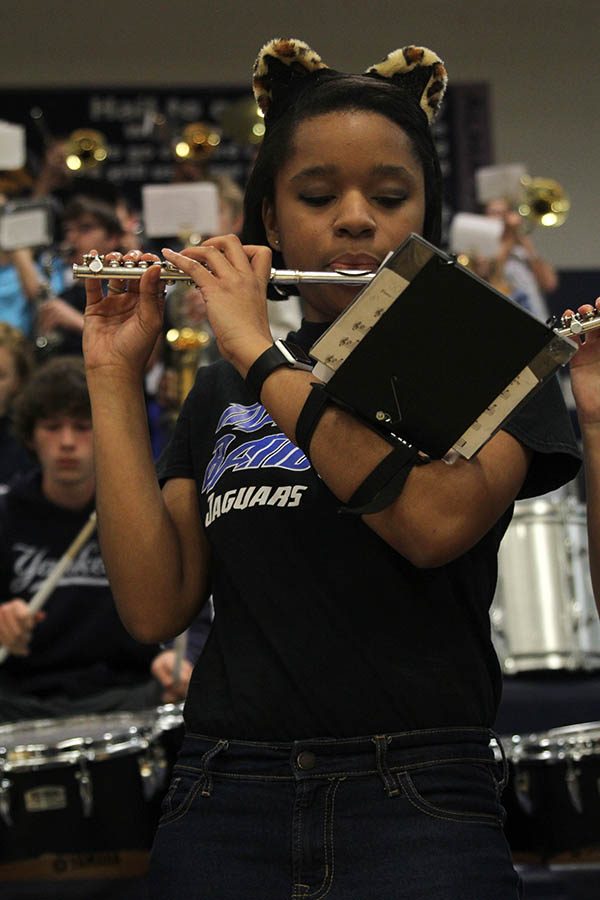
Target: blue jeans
414 815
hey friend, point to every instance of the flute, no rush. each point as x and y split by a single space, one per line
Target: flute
114 266
101 267
41 595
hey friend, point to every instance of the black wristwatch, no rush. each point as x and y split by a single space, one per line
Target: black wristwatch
282 353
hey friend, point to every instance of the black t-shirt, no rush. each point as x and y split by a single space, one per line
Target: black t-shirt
321 628
68 341
81 647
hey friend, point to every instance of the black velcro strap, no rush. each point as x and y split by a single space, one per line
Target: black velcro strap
384 483
310 415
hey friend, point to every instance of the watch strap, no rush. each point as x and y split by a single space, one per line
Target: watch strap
272 358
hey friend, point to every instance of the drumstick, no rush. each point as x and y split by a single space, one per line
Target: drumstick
51 581
179 646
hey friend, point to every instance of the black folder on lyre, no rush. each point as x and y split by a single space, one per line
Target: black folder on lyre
432 353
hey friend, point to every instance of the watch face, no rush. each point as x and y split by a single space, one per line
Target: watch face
297 353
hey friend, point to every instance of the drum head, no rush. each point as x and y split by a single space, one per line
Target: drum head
31 744
587 731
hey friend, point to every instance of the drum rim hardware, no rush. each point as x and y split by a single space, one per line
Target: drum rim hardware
113 742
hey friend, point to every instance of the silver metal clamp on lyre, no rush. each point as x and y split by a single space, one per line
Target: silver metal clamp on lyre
114 266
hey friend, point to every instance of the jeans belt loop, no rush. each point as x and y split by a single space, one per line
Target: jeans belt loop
381 742
206 759
504 762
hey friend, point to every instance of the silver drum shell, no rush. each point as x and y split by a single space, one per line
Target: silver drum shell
543 615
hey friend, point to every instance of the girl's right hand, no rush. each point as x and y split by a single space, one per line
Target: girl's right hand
121 326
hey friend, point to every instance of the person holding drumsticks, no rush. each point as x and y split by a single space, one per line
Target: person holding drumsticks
338 721
73 656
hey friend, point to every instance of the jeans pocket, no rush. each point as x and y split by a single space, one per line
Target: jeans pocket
182 792
458 792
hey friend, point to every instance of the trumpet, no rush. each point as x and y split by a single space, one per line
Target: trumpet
114 266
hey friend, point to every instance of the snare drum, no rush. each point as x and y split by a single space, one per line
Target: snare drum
553 800
543 615
80 796
524 800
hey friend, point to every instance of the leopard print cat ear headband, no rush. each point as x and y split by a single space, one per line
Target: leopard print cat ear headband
286 66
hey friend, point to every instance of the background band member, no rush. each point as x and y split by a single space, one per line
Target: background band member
16 364
73 656
528 276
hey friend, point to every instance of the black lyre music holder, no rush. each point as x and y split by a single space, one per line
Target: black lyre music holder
432 353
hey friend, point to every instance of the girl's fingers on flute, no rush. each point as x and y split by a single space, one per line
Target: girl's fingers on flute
150 283
589 307
117 286
93 292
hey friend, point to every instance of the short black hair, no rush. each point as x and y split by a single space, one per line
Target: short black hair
104 213
57 387
342 93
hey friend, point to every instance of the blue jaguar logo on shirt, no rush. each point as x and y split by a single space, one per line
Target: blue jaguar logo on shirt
273 450
244 418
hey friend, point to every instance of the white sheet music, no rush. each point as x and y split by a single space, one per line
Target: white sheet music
173 209
355 322
25 228
484 426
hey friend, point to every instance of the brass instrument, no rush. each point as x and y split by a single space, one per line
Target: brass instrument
85 149
538 201
197 141
544 202
188 344
93 267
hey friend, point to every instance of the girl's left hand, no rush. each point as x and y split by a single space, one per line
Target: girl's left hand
233 280
585 371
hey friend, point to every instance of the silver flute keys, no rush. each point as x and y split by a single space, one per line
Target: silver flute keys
133 265
95 266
